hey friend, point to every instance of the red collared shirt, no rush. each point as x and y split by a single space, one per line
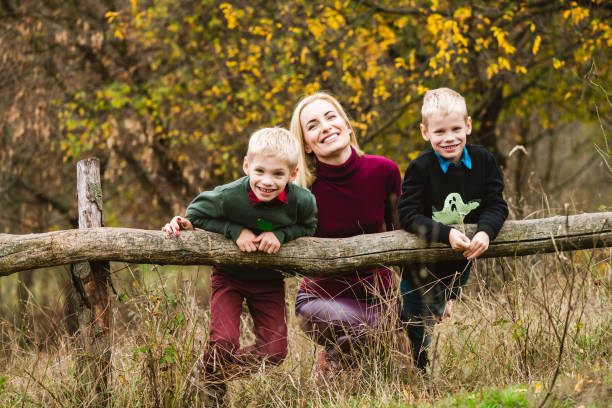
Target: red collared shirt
282 198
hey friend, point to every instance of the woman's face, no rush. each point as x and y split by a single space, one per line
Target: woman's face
326 133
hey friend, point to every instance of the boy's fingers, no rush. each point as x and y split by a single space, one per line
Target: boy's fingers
463 245
473 253
477 248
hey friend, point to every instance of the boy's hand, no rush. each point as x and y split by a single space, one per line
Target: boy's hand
176 224
246 241
458 240
268 242
479 244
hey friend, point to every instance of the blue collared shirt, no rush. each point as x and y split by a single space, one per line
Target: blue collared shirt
445 164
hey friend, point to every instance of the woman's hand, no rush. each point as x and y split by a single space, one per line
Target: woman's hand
176 224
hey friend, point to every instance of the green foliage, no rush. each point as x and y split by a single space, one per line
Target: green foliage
166 93
209 73
513 397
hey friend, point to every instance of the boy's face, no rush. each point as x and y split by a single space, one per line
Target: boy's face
447 134
268 175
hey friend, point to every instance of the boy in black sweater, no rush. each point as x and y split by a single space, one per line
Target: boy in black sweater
451 183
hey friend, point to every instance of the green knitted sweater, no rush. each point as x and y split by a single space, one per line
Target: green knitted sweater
227 210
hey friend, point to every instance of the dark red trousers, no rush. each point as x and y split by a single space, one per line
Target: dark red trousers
266 302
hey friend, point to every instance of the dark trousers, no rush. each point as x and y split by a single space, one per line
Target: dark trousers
266 302
424 297
342 324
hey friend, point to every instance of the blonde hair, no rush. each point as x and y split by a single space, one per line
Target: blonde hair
276 141
442 101
307 161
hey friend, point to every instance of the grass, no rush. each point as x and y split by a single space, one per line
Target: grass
526 330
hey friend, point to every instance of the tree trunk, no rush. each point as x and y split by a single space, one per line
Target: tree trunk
305 256
88 305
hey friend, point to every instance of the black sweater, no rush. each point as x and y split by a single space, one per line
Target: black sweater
426 190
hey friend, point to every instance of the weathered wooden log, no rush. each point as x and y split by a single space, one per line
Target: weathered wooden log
88 306
305 256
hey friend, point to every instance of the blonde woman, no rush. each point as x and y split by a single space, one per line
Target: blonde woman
356 194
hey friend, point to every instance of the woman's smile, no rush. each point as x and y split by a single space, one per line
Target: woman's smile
326 133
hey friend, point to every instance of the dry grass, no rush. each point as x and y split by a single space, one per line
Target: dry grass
521 326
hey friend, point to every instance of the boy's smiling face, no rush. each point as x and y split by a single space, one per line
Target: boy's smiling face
447 134
268 175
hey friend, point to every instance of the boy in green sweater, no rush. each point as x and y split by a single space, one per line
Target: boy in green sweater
259 212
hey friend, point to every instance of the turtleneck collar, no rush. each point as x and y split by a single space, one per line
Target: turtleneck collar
342 171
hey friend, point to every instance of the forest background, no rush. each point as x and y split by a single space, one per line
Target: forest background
166 93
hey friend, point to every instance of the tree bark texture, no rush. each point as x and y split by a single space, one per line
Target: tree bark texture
88 305
304 256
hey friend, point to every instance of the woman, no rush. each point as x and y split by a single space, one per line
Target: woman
356 194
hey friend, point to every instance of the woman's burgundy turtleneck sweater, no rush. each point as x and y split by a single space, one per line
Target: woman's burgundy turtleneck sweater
351 201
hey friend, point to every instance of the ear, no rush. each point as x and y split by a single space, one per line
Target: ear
424 132
307 148
245 166
350 127
293 174
468 125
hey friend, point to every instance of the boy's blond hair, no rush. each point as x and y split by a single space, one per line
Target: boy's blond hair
276 141
307 161
442 101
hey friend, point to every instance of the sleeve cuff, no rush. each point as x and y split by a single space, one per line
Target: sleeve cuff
233 232
280 235
492 235
444 234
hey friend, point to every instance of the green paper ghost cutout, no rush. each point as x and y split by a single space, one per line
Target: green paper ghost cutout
454 210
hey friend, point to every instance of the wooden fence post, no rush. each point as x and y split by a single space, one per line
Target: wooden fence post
90 301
